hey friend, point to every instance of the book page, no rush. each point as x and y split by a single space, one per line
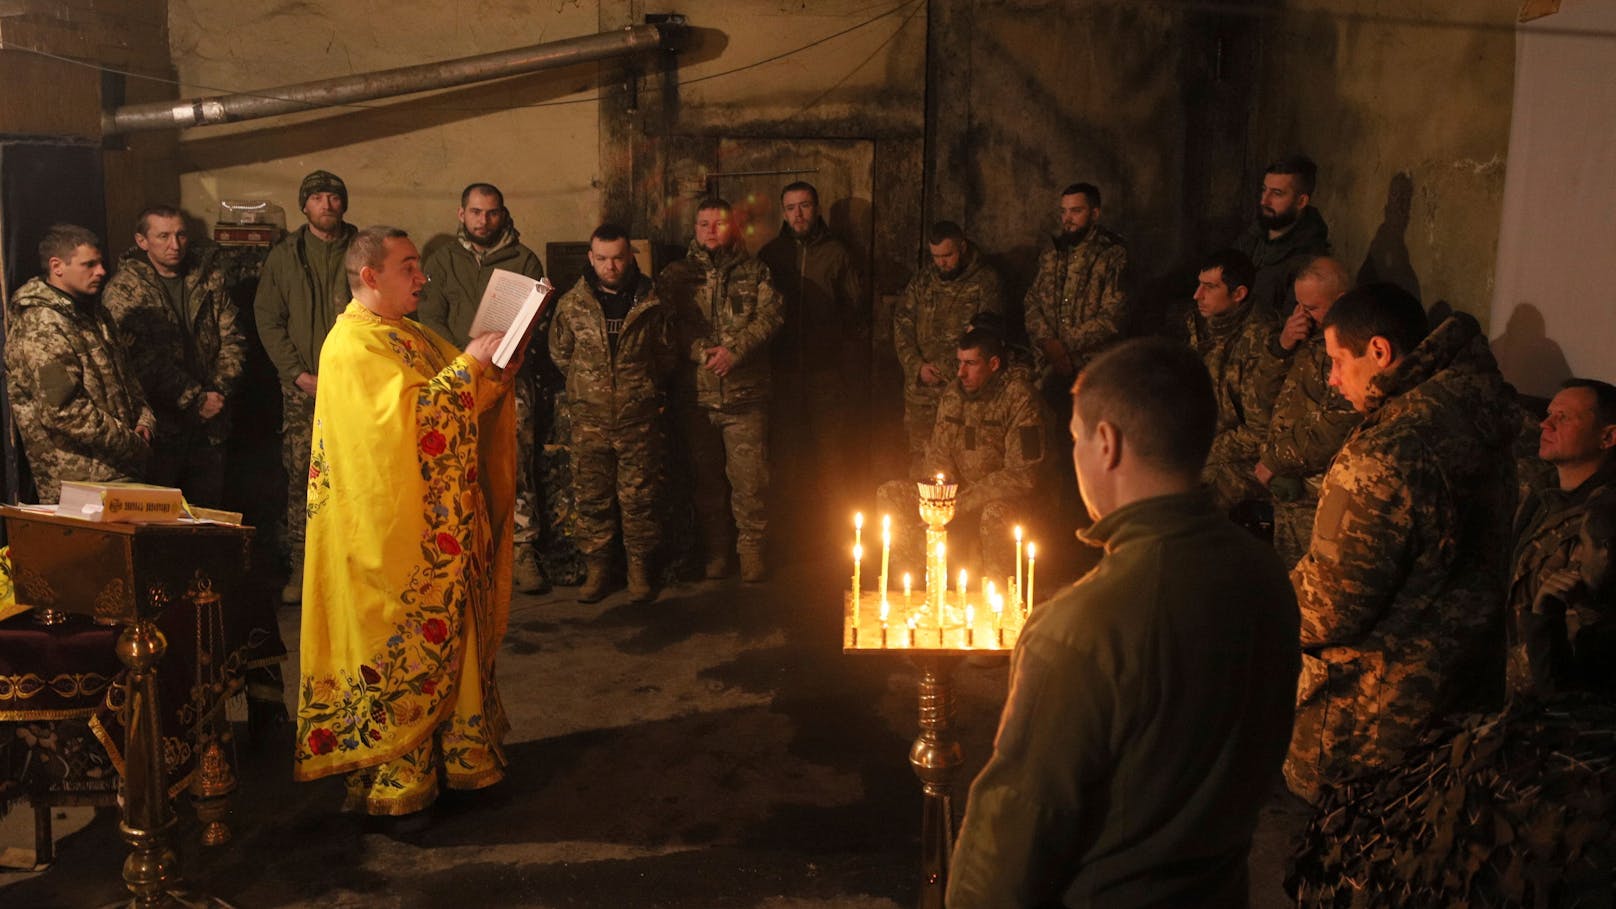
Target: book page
535 304
502 301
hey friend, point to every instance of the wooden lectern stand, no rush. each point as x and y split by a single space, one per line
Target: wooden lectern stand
126 574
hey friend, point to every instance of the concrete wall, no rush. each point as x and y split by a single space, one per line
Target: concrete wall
1406 108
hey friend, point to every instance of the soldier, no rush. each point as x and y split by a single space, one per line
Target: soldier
1149 703
1402 582
457 273
1231 334
76 399
1310 419
300 294
179 327
936 306
612 340
1288 231
820 355
1553 614
725 313
991 438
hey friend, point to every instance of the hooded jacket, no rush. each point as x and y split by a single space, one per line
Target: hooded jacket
1401 589
608 388
179 363
722 299
458 276
1278 260
76 399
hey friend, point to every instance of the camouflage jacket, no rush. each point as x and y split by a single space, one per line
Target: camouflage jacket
1279 259
1077 297
1233 348
1546 539
178 363
606 389
76 399
993 443
928 321
827 324
1309 422
295 307
726 300
1401 587
458 275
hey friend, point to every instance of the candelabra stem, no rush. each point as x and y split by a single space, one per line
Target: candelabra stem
936 757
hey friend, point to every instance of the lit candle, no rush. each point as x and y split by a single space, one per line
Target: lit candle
970 620
883 623
911 631
1032 556
998 618
1016 589
858 553
964 588
908 587
858 528
886 551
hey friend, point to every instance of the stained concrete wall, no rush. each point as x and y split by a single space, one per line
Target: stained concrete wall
1406 108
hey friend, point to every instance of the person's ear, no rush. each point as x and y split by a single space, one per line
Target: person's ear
1110 445
367 276
1381 350
1302 200
1607 436
1239 294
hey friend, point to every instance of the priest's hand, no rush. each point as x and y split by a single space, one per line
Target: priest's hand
483 346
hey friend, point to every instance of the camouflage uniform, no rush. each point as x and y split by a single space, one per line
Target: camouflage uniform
1401 586
1233 347
819 360
614 401
1278 260
724 299
75 397
458 274
181 349
1309 422
926 328
295 307
1077 297
1547 527
994 443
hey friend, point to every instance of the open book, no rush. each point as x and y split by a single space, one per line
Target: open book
511 303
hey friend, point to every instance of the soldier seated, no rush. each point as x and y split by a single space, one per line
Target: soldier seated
991 437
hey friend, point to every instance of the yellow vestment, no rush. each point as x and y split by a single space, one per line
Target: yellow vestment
406 586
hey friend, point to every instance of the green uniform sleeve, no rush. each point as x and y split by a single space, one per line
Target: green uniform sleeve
1038 306
904 339
561 335
1025 448
1110 314
767 316
271 309
72 421
232 357
143 324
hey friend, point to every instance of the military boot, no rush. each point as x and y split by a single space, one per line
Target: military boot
753 569
594 589
640 589
527 573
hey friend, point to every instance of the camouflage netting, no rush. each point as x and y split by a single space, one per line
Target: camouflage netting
1511 809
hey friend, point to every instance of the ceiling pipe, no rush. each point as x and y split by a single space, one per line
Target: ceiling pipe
405 80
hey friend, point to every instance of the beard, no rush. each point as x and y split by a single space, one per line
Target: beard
1277 222
1071 238
486 237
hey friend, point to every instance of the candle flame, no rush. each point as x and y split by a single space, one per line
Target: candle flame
858 520
1018 533
886 522
939 479
1032 551
970 614
911 623
884 610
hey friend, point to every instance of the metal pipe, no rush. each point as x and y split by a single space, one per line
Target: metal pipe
386 83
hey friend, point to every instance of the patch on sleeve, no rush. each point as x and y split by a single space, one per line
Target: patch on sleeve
57 386
1032 442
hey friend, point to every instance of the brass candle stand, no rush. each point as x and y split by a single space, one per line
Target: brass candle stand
935 630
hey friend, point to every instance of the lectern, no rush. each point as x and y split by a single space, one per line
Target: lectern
128 574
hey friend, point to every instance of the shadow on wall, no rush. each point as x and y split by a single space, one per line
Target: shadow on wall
1388 259
1526 355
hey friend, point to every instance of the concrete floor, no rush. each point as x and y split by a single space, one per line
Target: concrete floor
713 749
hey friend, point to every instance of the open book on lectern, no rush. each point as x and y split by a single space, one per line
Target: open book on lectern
510 304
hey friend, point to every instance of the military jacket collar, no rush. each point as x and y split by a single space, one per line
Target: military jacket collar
1155 517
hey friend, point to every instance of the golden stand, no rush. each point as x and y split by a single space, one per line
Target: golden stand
936 757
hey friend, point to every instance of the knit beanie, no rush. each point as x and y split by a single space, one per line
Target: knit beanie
321 181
